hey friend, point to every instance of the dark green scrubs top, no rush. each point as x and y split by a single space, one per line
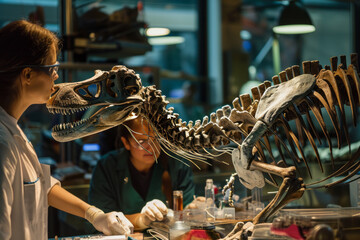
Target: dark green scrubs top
111 186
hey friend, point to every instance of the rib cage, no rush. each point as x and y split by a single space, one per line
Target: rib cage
336 86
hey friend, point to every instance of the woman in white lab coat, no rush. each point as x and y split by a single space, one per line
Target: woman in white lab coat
28 69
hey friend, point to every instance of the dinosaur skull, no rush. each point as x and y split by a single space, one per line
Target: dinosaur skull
110 97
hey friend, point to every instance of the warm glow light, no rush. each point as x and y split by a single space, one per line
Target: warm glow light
294 29
154 32
166 40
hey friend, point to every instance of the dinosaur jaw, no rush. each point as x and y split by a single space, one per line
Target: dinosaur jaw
96 119
110 98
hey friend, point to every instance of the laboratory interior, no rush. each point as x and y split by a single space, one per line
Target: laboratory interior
247 115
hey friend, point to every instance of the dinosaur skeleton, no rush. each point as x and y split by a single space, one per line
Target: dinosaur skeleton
252 124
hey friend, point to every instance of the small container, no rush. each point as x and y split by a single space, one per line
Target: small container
209 193
177 200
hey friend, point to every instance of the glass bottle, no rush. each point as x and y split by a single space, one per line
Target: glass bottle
177 200
209 193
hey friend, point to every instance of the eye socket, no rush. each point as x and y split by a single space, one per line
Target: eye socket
131 90
89 91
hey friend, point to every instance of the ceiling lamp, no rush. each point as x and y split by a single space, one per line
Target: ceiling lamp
155 32
169 40
294 19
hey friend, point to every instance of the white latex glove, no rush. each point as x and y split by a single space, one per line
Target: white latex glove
113 223
197 203
154 210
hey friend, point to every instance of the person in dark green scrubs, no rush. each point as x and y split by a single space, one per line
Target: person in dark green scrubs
138 179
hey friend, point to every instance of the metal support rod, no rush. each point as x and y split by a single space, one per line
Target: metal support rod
276 54
67 149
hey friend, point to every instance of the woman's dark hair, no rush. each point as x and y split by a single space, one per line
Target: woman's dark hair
122 131
22 43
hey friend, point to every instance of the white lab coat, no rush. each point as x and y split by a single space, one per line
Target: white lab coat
24 184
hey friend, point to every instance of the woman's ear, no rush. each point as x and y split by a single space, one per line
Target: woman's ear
126 143
26 75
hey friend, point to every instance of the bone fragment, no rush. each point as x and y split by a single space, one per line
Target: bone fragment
355 61
227 110
255 93
261 88
289 73
267 84
236 104
278 97
245 101
283 77
248 178
334 61
306 67
315 67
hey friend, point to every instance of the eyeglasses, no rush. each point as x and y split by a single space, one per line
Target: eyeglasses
144 143
51 70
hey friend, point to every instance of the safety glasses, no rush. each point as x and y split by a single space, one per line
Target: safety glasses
51 70
143 143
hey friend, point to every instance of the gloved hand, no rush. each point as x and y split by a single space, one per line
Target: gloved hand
154 210
112 223
198 203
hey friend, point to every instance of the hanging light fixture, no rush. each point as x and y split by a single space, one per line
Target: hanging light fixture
294 19
155 32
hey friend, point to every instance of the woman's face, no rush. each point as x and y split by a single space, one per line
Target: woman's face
145 149
42 82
